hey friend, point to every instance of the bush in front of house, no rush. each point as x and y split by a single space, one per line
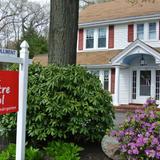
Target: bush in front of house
139 136
63 103
62 151
10 153
54 151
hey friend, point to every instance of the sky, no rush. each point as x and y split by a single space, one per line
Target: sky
41 1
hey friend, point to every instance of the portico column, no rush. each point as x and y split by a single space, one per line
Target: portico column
116 98
101 77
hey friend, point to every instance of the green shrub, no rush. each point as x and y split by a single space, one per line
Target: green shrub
62 151
10 152
64 102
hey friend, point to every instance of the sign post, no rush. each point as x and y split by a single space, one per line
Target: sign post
21 116
13 92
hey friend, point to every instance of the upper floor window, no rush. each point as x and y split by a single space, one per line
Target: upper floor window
152 30
140 31
90 38
101 37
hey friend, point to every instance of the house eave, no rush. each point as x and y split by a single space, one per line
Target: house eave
97 66
120 21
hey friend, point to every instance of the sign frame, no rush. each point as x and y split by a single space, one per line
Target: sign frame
23 62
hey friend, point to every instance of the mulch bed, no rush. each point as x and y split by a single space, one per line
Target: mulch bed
92 151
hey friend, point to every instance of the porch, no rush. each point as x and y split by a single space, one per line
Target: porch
137 76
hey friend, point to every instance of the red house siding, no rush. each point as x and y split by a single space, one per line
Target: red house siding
112 80
111 37
80 40
130 33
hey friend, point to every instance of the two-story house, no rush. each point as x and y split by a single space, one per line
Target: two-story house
120 43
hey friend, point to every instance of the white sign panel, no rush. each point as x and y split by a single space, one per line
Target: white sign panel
8 52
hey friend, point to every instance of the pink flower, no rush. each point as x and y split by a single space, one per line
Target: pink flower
150 153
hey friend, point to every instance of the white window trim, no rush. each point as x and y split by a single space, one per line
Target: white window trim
95 46
146 31
144 36
156 39
106 38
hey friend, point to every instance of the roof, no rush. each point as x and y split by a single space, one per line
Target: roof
117 9
85 58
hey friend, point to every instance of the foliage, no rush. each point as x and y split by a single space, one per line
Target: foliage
139 136
63 151
10 151
37 43
64 102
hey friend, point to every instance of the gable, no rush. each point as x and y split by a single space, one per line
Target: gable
137 47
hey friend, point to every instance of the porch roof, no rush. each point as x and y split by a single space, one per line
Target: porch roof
90 58
135 48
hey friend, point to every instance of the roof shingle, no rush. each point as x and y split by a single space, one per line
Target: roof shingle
117 9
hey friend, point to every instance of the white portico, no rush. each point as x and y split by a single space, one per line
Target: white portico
137 74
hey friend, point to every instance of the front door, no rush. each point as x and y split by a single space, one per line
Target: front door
143 85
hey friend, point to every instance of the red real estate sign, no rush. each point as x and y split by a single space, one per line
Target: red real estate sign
8 91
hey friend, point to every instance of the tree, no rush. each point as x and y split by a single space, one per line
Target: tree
63 31
37 43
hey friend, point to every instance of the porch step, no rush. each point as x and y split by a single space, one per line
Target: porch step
130 108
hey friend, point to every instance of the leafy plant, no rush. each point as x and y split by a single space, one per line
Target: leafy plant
139 136
62 151
9 153
32 154
64 102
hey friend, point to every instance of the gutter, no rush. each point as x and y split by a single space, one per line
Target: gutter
120 21
97 66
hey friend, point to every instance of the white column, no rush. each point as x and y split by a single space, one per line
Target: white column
101 77
21 116
116 98
109 80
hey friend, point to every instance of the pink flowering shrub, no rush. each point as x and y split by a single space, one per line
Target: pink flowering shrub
150 103
139 136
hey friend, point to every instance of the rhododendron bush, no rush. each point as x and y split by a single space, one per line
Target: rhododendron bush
139 136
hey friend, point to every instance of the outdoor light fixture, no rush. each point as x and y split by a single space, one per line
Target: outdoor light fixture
142 61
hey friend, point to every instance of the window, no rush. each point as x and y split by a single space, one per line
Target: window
106 80
140 31
95 72
101 37
134 84
145 83
90 38
152 30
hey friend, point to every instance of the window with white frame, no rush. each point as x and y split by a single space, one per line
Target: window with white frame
152 30
106 80
89 38
140 31
102 37
95 72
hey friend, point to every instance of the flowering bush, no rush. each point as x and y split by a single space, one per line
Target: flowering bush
150 103
139 136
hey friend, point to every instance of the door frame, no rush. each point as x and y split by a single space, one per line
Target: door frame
141 99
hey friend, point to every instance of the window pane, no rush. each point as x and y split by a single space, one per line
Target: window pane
152 30
145 83
89 38
134 84
140 31
106 80
101 37
95 72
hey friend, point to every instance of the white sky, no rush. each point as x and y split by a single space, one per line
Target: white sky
41 1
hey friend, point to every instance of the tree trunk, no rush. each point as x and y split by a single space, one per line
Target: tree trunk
63 31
